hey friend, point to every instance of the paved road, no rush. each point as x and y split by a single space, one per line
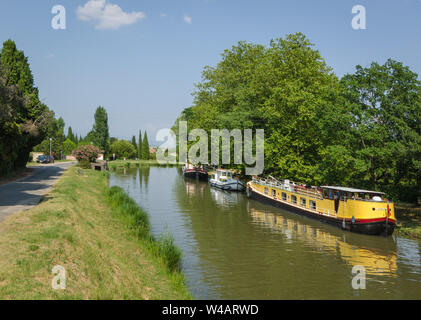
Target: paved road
27 192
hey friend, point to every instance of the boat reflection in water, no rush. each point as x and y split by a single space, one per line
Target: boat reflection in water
195 188
225 199
377 262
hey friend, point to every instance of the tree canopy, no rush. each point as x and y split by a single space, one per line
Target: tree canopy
360 131
24 119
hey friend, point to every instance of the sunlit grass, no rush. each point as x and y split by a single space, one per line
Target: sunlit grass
106 249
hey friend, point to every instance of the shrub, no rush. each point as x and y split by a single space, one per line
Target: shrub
68 147
87 153
123 149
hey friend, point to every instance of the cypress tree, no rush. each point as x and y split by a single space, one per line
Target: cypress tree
139 146
100 131
134 143
70 135
145 147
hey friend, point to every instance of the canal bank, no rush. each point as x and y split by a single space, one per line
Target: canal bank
81 227
409 220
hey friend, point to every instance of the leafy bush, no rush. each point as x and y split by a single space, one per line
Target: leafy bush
87 153
123 149
68 147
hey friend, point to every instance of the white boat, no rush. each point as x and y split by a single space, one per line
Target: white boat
223 179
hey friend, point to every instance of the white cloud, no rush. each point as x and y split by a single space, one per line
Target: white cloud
187 19
50 56
106 15
163 15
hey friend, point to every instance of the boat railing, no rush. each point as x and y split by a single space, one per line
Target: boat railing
291 187
319 210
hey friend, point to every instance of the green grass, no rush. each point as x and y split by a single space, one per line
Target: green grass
162 248
99 235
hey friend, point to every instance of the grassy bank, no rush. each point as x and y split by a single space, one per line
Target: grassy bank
101 238
409 220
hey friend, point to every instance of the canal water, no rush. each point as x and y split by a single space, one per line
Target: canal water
236 248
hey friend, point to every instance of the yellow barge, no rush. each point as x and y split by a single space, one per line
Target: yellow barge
355 210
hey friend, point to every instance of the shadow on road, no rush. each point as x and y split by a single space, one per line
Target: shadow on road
29 190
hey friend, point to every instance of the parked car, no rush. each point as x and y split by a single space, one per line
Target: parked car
45 159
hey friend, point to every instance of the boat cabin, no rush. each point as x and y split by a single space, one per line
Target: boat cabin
221 174
342 193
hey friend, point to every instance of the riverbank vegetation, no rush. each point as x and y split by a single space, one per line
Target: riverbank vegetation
123 149
136 163
362 130
409 220
101 238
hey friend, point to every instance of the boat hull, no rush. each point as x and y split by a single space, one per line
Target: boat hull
377 227
232 186
196 174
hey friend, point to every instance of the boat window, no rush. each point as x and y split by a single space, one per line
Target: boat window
273 193
266 190
312 204
325 193
284 196
293 199
229 174
303 202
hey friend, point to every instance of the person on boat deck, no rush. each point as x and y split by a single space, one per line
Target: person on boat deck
330 195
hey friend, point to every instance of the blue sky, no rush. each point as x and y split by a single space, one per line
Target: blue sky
144 72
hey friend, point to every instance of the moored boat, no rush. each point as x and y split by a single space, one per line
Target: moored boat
355 210
223 179
194 172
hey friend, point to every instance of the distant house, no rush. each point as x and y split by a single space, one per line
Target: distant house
152 150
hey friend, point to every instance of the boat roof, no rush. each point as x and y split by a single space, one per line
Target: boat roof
351 190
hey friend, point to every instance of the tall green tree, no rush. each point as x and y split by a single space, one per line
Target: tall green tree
284 88
145 147
25 119
134 142
100 132
361 131
70 135
139 146
384 102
